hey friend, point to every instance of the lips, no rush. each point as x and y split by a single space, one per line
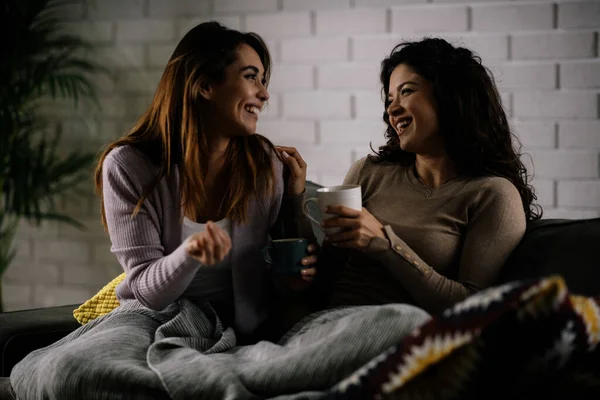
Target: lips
253 109
402 124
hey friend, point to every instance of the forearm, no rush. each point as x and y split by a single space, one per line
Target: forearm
431 290
154 279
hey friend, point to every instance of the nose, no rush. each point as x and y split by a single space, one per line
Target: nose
263 93
394 108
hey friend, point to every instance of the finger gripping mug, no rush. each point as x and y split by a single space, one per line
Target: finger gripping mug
342 195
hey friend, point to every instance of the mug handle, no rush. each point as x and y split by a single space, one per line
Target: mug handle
266 255
305 210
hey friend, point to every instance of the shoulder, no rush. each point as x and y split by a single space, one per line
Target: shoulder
128 158
498 187
496 194
366 170
129 165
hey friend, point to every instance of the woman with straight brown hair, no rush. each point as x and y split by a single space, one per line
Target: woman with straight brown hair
193 174
189 198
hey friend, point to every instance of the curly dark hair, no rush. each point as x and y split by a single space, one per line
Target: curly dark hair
476 133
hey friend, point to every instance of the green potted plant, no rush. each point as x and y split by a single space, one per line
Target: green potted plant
42 62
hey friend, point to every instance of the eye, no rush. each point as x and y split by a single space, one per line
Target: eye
405 91
251 77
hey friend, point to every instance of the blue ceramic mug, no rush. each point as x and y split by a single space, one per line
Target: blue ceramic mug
285 255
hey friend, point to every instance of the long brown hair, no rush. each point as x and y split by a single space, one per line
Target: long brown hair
170 131
476 132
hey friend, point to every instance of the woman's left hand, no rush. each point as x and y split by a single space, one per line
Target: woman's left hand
297 167
299 283
358 227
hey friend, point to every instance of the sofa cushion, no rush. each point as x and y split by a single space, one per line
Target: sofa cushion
564 247
24 331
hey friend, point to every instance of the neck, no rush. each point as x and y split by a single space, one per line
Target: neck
434 171
217 146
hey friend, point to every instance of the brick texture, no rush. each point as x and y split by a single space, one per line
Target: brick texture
579 134
585 14
146 31
116 9
556 104
535 134
351 22
512 17
315 4
580 74
325 100
178 8
585 194
490 47
349 76
426 19
525 76
244 6
184 25
286 132
316 105
279 25
286 77
312 50
550 45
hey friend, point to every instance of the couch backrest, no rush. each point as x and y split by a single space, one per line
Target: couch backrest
569 248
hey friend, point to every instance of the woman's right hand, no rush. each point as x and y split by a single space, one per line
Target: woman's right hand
209 247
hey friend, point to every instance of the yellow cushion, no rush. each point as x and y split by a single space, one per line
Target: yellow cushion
102 303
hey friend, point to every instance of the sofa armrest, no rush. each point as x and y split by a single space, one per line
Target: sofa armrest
21 332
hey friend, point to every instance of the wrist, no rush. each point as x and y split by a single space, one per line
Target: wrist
295 189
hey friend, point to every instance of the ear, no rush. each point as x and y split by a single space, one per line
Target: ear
206 90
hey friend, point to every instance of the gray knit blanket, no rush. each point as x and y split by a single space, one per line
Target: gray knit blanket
184 352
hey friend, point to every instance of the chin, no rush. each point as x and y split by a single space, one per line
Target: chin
403 145
249 132
245 130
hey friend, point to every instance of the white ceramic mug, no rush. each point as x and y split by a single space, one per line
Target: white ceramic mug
343 195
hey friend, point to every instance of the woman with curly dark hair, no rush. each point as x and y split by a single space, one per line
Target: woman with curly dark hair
446 200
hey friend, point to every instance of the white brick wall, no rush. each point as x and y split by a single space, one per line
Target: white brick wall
317 104
280 25
580 74
524 76
117 9
429 18
552 45
356 21
325 99
178 8
315 4
146 31
512 17
245 6
584 14
313 50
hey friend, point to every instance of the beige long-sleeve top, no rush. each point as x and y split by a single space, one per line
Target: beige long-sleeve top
440 249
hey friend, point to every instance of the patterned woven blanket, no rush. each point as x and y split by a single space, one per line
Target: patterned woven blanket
522 340
184 352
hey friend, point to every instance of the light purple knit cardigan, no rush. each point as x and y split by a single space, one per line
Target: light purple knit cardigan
150 249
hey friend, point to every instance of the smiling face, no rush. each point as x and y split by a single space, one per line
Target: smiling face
413 112
237 101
